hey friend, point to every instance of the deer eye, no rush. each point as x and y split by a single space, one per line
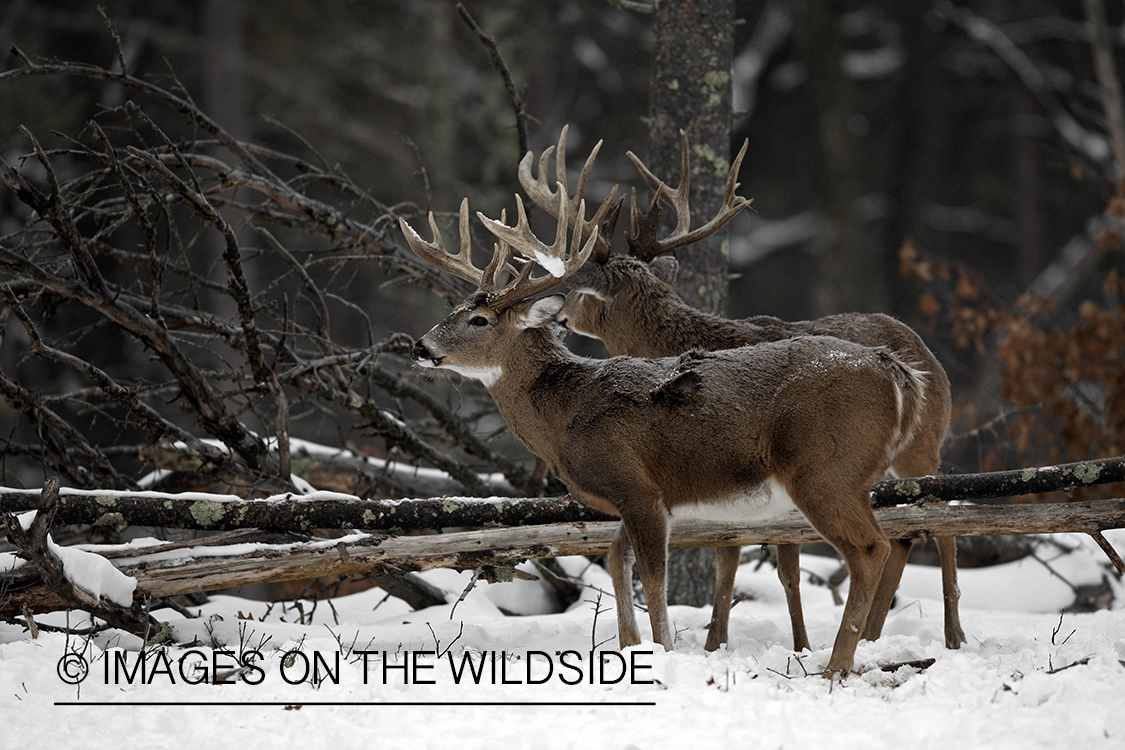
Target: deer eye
478 321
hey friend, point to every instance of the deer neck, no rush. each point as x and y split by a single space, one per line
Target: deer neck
539 390
660 326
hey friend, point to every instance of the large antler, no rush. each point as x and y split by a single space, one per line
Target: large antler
643 242
540 191
558 263
554 258
461 263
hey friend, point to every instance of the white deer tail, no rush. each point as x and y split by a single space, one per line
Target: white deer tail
910 392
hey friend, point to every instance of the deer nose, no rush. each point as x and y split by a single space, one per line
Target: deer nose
419 351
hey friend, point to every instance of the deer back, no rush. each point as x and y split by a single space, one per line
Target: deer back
631 306
701 428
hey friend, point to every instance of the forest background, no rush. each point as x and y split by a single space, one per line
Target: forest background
956 165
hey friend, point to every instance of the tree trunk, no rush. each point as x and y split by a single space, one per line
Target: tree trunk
693 42
850 276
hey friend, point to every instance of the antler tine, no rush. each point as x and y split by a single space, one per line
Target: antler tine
644 244
643 227
499 262
606 227
554 258
678 198
539 188
459 264
435 253
732 205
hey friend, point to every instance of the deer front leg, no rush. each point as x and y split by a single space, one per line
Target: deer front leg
621 572
649 536
789 573
726 565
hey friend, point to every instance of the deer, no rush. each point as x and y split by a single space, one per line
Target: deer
628 302
742 434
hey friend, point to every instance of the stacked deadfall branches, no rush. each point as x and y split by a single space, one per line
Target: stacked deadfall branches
200 285
249 546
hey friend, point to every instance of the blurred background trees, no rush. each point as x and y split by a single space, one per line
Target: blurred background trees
975 135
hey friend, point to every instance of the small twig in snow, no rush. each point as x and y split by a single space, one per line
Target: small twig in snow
1080 662
472 583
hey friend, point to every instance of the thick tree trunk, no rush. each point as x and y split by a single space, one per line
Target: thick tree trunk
693 42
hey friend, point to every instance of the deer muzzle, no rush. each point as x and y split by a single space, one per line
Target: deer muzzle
421 354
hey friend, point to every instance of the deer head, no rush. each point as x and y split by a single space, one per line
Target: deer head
478 337
610 281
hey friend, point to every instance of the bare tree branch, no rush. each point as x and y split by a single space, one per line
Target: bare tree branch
1110 85
244 374
505 74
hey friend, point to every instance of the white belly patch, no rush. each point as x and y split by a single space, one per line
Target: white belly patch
764 502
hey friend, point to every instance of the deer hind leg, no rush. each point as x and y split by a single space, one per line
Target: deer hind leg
789 573
888 585
947 551
726 565
848 523
892 575
864 554
621 572
918 460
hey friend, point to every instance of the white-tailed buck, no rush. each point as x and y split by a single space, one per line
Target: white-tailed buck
741 435
628 302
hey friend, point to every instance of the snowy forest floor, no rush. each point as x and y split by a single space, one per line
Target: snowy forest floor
468 675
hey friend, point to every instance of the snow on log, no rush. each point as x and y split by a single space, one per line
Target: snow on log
332 510
170 570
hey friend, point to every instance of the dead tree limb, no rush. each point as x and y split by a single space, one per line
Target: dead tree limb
334 511
496 551
1000 483
298 513
240 370
33 545
505 74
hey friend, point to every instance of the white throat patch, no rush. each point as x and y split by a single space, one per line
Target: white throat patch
486 375
592 293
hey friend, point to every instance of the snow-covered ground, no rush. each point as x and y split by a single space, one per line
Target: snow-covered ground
469 676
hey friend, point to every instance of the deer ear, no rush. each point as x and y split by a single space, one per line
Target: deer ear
540 312
665 268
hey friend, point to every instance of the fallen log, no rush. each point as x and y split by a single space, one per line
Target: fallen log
297 513
331 510
1030 481
57 577
162 573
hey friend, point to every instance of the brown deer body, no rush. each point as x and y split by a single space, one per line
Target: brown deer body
640 315
628 302
743 434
